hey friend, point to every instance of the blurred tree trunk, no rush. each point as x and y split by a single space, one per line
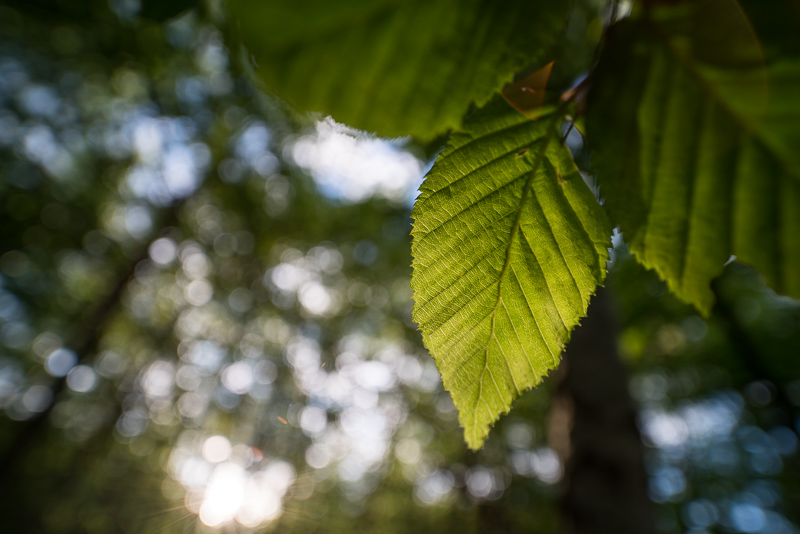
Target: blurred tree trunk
592 427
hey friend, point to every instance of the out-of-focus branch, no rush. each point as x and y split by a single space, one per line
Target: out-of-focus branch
90 327
84 348
605 476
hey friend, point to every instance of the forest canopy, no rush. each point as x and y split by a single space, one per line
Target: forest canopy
266 266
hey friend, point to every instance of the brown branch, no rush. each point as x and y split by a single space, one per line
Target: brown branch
605 476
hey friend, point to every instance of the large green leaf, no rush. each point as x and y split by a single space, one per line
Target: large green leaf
509 244
698 155
390 66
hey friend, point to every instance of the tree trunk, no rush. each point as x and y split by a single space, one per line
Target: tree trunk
592 426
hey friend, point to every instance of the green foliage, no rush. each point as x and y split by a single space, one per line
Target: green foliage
509 245
695 158
397 68
166 299
693 134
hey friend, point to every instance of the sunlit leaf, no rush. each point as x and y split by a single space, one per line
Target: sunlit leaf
696 150
509 244
396 68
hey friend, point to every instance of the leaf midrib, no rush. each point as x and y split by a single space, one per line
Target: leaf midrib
540 155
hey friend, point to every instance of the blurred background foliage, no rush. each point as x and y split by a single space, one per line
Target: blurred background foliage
205 316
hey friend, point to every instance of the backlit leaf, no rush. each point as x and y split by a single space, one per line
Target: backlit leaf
509 244
697 152
396 68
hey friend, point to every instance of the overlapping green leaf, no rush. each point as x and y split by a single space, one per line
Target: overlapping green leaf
509 244
389 66
698 159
